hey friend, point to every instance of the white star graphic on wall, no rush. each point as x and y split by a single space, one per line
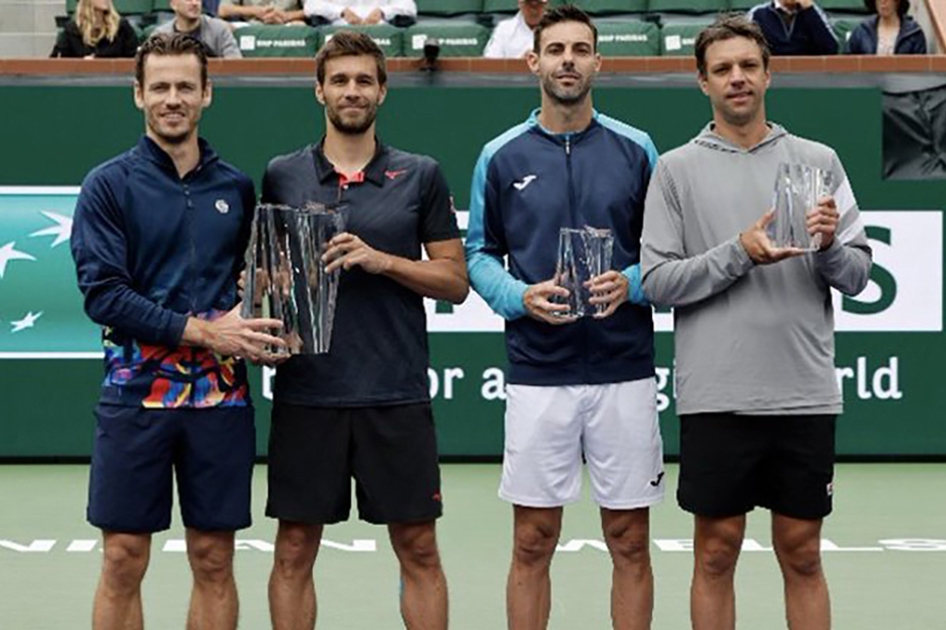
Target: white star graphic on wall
28 321
8 253
61 230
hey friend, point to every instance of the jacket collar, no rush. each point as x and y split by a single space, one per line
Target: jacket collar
150 150
573 136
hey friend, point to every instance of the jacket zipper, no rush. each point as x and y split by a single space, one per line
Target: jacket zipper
573 218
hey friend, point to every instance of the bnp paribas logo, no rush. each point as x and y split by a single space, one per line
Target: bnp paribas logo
40 307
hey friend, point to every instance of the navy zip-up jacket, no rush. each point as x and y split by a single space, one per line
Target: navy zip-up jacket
152 248
910 40
810 33
528 184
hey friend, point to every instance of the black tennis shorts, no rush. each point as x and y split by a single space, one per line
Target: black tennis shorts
730 464
391 451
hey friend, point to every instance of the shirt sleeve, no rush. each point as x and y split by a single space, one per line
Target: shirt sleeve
485 248
438 216
635 289
670 276
228 45
845 264
100 252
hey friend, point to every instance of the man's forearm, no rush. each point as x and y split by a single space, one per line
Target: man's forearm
439 279
233 10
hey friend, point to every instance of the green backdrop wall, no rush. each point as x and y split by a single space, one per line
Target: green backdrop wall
890 344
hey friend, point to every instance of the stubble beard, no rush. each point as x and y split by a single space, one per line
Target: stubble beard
568 98
352 128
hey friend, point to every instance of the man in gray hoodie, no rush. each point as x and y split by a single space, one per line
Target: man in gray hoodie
754 330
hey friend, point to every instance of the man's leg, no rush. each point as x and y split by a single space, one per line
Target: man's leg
716 546
798 549
117 604
214 604
423 584
529 587
627 534
292 604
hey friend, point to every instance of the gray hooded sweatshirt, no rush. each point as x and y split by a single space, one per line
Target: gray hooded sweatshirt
751 339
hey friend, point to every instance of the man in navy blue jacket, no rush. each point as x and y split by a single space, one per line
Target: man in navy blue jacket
158 240
795 27
580 386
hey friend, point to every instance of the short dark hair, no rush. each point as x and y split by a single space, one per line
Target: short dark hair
162 44
349 44
902 6
729 26
564 13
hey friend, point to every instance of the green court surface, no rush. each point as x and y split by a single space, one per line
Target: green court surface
885 557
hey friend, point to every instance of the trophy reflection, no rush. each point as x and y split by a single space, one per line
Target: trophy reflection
582 254
286 278
798 188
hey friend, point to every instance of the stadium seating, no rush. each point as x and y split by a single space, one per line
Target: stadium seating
678 34
463 27
457 38
844 24
627 37
612 7
389 38
448 8
267 40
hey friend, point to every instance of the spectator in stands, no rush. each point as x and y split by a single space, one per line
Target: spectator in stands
213 33
265 11
97 30
210 6
513 38
889 32
366 12
795 27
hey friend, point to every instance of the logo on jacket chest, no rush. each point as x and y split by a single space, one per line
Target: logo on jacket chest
524 182
222 206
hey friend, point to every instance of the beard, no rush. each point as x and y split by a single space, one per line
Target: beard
351 127
566 96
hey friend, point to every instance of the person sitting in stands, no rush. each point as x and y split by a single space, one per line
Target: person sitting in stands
96 31
213 33
265 11
795 27
354 12
513 38
890 31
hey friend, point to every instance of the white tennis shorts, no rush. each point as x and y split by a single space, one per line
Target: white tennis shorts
615 427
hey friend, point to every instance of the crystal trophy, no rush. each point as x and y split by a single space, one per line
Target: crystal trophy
798 188
285 275
582 255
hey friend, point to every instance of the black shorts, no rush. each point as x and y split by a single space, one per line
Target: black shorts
391 451
729 464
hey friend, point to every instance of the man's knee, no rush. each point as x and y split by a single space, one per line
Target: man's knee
628 544
211 557
800 559
296 548
798 546
416 545
534 543
718 544
124 561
